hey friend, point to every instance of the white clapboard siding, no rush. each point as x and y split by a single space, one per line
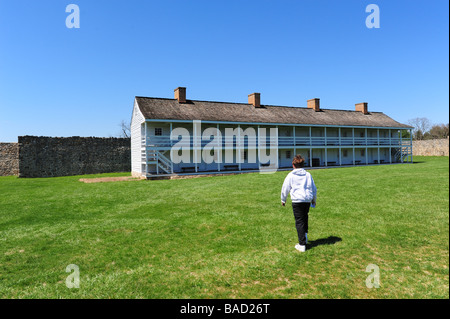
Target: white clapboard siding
137 121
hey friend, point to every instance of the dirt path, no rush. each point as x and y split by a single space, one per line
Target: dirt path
108 179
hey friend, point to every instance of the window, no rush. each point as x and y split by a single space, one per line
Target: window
345 153
158 131
244 155
363 152
288 154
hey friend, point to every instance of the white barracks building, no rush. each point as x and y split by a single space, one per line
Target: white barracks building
325 137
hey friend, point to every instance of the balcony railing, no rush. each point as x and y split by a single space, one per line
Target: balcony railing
298 141
336 141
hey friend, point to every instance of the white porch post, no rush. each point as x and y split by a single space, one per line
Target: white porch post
411 147
401 146
278 150
353 155
219 153
310 137
367 156
390 138
170 144
340 150
379 159
365 134
310 149
239 146
390 146
353 139
194 144
353 136
259 151
390 154
326 151
157 161
145 145
295 142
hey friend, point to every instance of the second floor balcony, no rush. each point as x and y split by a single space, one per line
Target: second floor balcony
281 141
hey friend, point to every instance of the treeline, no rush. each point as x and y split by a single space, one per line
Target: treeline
424 130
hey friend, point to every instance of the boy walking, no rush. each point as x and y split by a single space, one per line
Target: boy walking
300 184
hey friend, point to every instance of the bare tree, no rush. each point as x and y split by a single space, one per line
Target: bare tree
421 126
439 131
125 129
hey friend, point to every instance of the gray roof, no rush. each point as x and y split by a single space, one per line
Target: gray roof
171 109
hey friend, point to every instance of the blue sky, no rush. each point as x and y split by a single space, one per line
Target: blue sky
56 81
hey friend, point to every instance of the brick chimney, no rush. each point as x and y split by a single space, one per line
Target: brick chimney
314 104
362 107
254 99
180 94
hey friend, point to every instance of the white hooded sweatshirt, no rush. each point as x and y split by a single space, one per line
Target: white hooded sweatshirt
301 186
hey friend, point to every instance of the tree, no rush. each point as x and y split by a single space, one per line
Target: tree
439 131
125 129
427 136
420 125
405 134
446 130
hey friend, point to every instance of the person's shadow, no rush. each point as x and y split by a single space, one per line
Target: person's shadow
323 241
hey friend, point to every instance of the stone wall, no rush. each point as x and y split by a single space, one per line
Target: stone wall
64 156
9 159
431 147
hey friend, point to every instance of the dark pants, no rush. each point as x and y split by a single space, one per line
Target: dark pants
301 220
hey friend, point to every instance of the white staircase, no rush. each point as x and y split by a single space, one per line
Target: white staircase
402 154
153 156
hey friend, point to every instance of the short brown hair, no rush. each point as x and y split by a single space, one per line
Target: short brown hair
298 161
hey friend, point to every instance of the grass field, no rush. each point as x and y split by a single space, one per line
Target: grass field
228 236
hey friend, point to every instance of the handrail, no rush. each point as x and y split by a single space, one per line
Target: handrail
164 159
165 141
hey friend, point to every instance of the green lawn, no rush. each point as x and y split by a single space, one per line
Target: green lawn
228 236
